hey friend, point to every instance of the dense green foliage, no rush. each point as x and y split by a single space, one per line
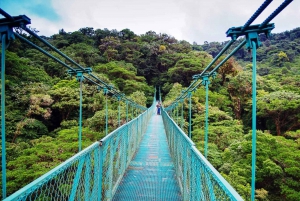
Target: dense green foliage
43 101
278 120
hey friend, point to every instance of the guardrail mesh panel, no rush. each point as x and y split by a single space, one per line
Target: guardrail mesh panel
197 178
99 166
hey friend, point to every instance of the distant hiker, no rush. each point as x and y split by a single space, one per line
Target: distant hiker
158 106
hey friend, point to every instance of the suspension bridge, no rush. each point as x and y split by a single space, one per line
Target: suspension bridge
148 158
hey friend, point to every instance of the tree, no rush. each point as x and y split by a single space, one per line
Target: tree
87 31
223 130
230 67
280 59
218 99
277 167
124 76
139 97
173 94
97 122
130 52
127 34
282 107
192 63
66 97
84 54
43 154
240 90
40 105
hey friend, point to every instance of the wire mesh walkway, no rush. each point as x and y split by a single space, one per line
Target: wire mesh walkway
151 174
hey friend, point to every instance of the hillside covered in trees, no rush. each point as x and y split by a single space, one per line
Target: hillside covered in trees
43 100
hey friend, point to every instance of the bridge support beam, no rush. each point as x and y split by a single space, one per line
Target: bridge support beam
105 91
253 120
119 110
181 124
190 114
206 82
126 111
132 114
80 78
182 117
253 42
3 131
101 157
177 113
6 34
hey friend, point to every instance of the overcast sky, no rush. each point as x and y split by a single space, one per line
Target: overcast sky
191 20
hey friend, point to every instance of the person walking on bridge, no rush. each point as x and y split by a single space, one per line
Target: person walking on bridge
158 106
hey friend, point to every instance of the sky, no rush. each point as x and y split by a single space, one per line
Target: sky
190 20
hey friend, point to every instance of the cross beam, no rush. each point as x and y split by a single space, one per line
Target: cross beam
7 24
251 33
15 21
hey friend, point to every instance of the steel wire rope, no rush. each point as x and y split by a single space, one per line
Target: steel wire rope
114 91
111 89
247 24
257 13
51 46
55 49
276 12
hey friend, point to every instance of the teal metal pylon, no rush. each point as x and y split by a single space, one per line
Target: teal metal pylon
6 35
79 77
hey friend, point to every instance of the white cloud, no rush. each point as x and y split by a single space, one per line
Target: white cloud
139 16
191 20
209 20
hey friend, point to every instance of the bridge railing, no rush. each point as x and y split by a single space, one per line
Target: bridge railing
95 172
197 178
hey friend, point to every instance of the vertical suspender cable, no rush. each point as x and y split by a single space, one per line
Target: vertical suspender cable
119 112
126 111
206 116
190 115
80 112
132 115
106 112
253 120
182 115
3 132
177 113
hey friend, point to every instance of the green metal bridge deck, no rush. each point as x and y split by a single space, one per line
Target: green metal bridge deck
151 174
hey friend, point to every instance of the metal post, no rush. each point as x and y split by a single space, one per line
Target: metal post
3 131
106 111
100 171
253 120
126 111
87 178
80 77
206 82
119 112
190 114
182 115
76 179
132 115
176 113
